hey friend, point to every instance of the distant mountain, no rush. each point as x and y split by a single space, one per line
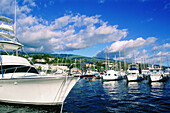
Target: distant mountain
72 56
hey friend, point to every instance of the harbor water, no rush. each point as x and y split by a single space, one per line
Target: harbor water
96 96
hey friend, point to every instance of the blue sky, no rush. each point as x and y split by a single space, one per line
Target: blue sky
94 27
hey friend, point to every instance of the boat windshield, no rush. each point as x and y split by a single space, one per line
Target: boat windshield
132 69
155 70
18 69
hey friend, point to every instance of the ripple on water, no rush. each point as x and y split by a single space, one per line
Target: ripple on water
112 96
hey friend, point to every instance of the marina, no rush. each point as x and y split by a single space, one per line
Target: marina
100 56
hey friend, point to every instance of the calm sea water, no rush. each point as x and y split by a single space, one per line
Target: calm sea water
113 96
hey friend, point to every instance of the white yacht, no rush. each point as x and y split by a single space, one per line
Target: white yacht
112 75
156 74
145 72
133 73
20 82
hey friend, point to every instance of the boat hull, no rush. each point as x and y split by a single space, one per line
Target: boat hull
112 78
36 91
133 78
157 78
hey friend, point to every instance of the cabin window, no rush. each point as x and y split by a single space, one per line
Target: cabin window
108 74
17 69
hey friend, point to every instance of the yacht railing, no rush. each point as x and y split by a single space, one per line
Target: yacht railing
14 70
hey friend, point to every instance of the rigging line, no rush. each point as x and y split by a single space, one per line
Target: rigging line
97 95
65 93
4 49
30 60
62 107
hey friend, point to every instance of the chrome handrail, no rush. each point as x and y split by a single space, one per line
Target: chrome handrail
28 70
14 72
4 70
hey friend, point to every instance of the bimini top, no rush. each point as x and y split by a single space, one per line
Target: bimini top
5 19
10 45
14 60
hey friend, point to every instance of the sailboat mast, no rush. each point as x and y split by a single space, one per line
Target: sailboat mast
115 63
124 61
106 62
119 62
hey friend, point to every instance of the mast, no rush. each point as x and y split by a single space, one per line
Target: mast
115 63
15 20
119 62
106 62
124 61
160 62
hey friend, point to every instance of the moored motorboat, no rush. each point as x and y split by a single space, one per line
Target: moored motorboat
133 73
156 74
111 75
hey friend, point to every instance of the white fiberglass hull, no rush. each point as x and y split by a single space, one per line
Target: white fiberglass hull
36 91
110 78
134 78
157 78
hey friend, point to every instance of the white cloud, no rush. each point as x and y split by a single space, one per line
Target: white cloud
127 48
30 2
6 7
67 33
161 47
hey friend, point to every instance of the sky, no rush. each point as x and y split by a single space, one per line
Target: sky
137 29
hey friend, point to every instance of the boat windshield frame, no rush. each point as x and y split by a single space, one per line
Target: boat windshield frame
18 69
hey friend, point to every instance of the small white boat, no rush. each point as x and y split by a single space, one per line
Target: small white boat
156 74
111 75
21 83
133 73
145 73
167 72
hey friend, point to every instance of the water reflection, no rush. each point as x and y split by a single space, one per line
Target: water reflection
113 96
16 108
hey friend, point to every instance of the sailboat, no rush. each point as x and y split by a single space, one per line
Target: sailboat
20 81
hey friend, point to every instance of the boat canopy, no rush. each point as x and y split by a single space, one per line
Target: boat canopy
10 45
14 60
6 27
6 35
5 19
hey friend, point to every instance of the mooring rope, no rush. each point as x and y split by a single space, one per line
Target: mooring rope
61 107
97 95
